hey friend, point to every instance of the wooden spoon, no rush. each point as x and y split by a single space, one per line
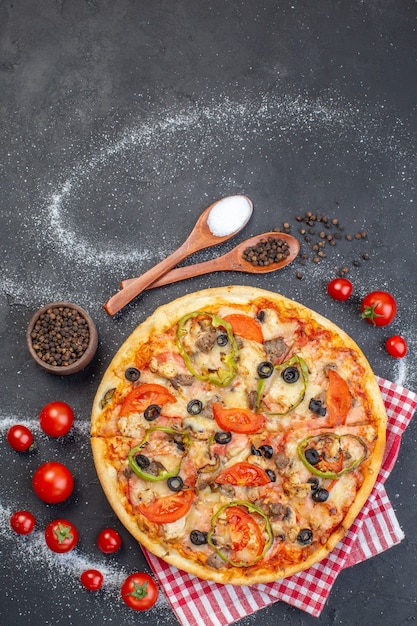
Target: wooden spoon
202 236
231 261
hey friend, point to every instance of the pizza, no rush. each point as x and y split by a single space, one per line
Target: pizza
237 434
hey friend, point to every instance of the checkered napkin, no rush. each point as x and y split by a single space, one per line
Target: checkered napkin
198 602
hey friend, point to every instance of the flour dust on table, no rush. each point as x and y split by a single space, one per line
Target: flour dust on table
92 218
199 133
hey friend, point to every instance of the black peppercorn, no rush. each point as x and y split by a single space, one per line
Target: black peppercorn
60 336
267 251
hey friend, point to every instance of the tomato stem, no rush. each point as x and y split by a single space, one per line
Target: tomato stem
370 314
140 591
63 532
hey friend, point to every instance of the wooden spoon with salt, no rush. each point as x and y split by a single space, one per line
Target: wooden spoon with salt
233 261
220 221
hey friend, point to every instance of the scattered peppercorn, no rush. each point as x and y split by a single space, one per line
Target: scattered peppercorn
317 232
344 270
60 336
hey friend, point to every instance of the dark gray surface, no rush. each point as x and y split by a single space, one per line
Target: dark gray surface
121 121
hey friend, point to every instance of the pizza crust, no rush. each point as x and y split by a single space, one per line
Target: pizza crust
102 426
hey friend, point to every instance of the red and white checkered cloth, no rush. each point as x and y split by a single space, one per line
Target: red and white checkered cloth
198 602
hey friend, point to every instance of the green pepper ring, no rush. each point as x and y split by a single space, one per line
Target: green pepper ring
134 451
229 361
303 445
251 508
295 360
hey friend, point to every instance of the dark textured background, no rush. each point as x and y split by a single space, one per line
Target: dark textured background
120 122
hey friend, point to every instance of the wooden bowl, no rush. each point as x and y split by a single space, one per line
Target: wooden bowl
62 338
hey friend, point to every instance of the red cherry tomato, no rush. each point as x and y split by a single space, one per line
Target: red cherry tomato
56 419
22 522
109 541
340 288
140 591
61 535
396 346
53 482
379 308
20 438
92 579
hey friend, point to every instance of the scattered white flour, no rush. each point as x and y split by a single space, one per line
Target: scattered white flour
87 222
87 219
236 125
401 372
229 215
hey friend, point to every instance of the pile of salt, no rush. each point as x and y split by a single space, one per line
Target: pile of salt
229 215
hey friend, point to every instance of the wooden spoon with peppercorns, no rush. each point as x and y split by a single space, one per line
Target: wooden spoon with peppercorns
258 255
220 221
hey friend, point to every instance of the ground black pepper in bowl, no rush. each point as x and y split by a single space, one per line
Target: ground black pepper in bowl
62 338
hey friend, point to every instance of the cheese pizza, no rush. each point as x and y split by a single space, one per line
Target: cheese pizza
237 434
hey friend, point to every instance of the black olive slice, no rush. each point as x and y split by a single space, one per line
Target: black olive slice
320 495
255 451
152 412
179 442
132 374
314 482
198 538
266 451
222 340
260 316
175 483
316 407
312 456
194 407
222 437
290 375
265 369
142 461
305 536
272 475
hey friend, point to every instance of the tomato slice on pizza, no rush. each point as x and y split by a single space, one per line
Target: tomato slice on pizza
168 509
243 473
237 420
240 534
143 396
338 399
245 326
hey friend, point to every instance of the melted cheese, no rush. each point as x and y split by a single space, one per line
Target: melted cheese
160 362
